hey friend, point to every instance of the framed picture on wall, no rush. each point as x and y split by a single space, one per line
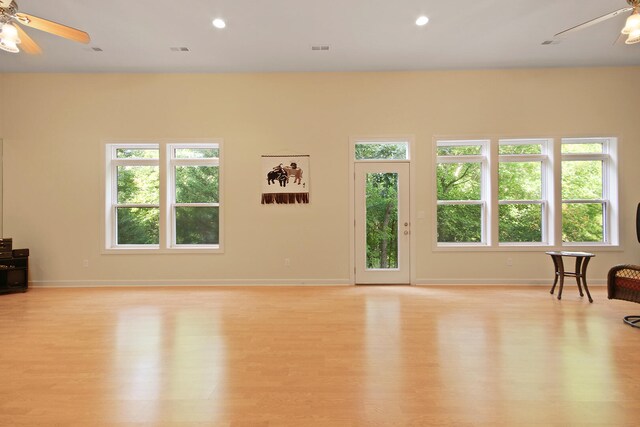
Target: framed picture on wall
285 179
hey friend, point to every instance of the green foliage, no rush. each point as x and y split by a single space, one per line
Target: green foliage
520 181
581 180
459 150
197 225
138 153
520 149
138 226
520 223
382 220
582 222
385 151
459 223
196 153
196 184
582 148
138 184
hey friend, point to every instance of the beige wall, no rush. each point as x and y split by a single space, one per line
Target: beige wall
55 124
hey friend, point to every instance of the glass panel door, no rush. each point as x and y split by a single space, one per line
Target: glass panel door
382 223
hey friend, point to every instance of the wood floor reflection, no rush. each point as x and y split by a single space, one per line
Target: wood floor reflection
317 356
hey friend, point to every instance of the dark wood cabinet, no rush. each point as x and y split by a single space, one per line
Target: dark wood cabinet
14 274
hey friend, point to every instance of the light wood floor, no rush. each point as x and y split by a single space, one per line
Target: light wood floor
317 356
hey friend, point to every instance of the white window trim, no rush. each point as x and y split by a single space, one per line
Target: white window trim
171 185
543 159
166 225
552 186
485 190
610 172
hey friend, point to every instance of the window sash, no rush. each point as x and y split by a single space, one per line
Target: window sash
175 162
165 162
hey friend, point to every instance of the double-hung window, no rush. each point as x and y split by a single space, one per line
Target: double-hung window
461 174
588 183
195 203
522 191
506 192
163 196
135 195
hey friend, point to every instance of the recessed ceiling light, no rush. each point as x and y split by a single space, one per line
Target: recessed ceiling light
422 20
219 23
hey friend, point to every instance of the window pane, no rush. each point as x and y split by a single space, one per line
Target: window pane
197 225
459 223
382 220
520 181
595 147
137 153
138 226
520 149
582 222
582 180
196 184
520 223
138 184
459 181
196 153
386 151
459 150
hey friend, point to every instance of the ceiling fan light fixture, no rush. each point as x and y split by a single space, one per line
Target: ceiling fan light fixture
634 37
9 38
633 23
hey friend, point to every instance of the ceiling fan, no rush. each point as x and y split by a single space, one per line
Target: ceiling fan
632 27
11 34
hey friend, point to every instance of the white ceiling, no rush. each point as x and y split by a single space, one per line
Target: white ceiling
363 35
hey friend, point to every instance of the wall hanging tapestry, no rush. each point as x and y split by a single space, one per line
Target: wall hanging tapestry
285 179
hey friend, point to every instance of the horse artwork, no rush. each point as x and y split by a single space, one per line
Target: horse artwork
287 179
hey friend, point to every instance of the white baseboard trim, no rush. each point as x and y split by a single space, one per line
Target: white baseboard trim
502 282
288 282
188 282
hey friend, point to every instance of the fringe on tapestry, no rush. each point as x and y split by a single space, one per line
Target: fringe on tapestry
284 198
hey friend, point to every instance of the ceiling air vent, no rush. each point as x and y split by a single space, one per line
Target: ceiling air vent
320 47
179 49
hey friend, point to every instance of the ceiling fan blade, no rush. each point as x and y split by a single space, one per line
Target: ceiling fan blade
26 43
53 28
594 21
620 40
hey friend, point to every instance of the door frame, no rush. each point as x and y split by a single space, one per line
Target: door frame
410 140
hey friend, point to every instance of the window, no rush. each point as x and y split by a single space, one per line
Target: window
381 150
461 206
554 192
136 185
182 213
521 193
587 182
